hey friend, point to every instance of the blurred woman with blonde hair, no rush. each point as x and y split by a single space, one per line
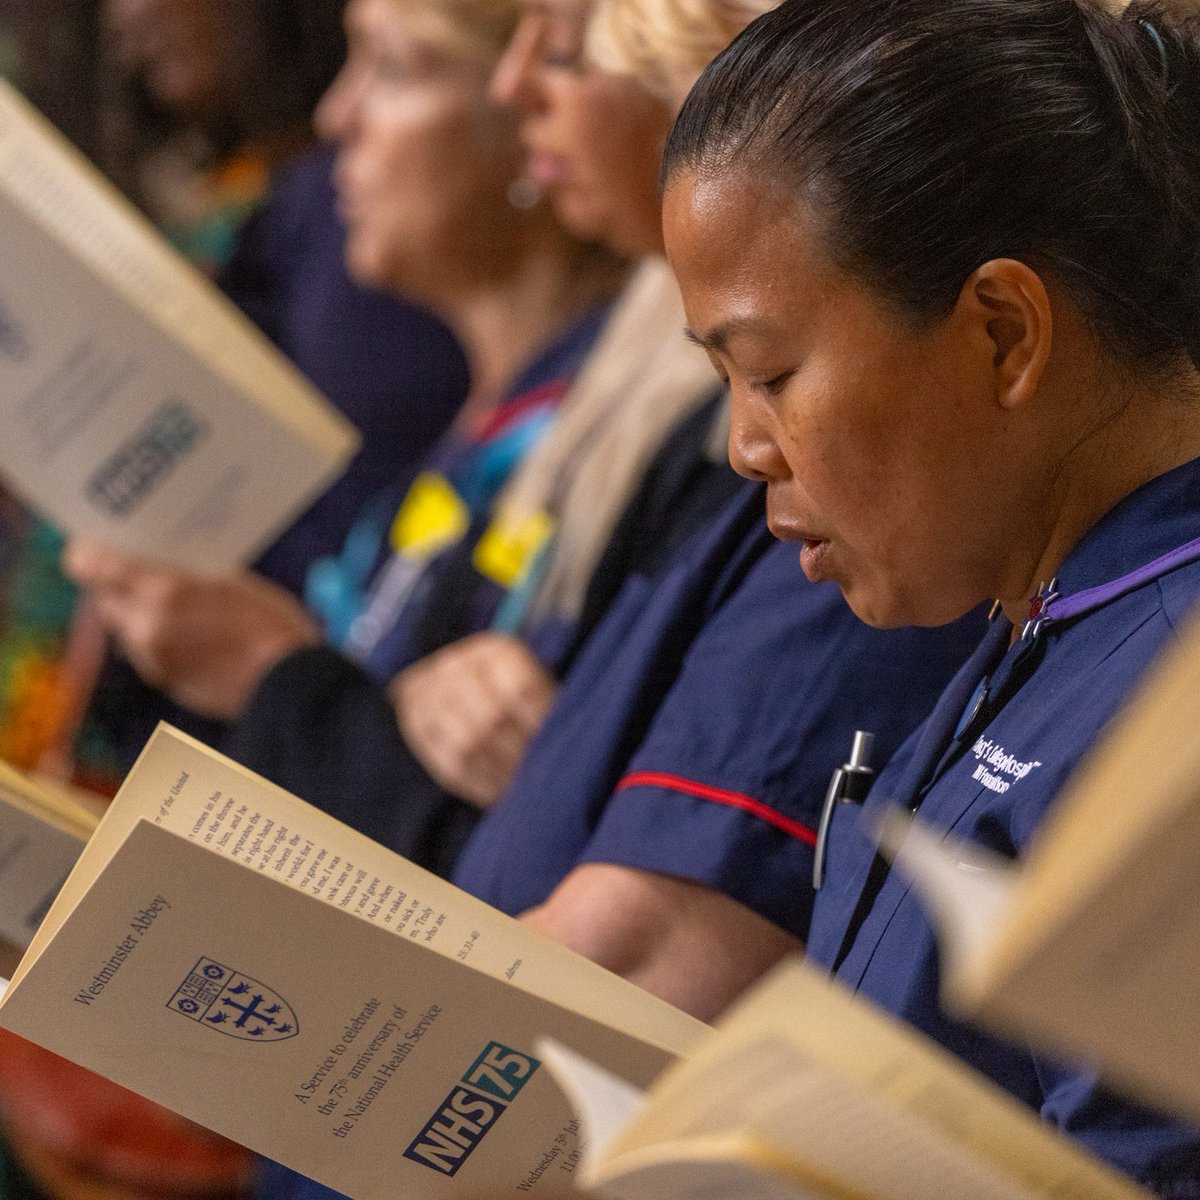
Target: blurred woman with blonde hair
667 43
662 822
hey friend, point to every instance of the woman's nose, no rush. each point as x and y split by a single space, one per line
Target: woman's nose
514 82
753 449
336 107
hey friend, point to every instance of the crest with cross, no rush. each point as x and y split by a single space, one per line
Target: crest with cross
230 1002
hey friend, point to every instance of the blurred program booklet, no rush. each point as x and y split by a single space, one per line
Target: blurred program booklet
806 1093
1091 948
139 406
43 829
240 957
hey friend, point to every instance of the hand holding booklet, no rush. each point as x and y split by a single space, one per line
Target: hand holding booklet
230 952
139 407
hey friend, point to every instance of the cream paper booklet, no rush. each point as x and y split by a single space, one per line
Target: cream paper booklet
236 955
139 406
806 1093
1091 948
43 829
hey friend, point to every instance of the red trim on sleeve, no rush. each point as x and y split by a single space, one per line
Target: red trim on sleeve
756 808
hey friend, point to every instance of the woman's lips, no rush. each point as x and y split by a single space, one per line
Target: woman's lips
813 558
345 208
348 198
546 169
813 552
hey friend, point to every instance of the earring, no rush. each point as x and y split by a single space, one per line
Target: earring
524 193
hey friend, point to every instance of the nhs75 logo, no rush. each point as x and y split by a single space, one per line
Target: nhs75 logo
475 1104
220 998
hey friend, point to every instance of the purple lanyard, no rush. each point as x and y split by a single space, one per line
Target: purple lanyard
1049 607
851 782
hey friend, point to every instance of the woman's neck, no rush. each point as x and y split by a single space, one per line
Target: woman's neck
504 321
1152 430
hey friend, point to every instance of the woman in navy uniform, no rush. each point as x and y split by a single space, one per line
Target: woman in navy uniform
677 785
945 252
661 818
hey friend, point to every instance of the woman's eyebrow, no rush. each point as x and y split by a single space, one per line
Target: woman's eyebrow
719 336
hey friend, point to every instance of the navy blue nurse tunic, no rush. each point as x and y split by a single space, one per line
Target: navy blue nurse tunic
697 730
991 780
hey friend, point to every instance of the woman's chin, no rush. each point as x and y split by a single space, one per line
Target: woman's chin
892 609
366 266
879 606
872 613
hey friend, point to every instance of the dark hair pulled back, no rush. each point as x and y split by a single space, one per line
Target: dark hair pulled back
933 135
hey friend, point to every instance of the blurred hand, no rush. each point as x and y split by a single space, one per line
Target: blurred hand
469 712
206 642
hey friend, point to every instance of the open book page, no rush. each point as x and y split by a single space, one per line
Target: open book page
1097 954
197 794
60 804
605 1103
719 1168
43 828
722 1163
819 1090
125 378
789 1125
37 853
354 1054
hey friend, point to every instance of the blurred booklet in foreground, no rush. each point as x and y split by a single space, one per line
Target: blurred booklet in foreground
139 406
240 957
1091 948
806 1093
43 829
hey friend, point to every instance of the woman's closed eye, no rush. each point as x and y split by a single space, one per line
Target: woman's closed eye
562 54
774 384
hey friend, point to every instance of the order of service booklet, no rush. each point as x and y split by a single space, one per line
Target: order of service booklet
806 1092
43 829
1091 947
232 953
139 407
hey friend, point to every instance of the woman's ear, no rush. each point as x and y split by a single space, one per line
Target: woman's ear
1009 308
